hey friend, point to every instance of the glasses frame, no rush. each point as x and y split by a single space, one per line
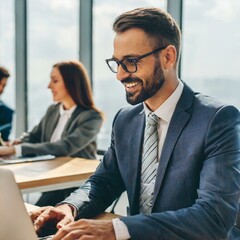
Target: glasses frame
135 60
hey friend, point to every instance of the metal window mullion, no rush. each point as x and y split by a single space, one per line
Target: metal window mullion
21 65
175 8
85 34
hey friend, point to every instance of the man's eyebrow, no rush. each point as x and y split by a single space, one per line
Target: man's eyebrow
128 56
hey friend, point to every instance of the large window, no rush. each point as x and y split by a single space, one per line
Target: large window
211 48
7 50
210 52
52 36
109 93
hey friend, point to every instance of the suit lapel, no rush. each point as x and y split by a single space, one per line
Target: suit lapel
135 157
179 120
73 116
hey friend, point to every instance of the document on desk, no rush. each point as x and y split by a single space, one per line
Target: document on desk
26 159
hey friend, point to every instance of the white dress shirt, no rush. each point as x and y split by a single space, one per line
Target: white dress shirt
57 133
63 119
164 112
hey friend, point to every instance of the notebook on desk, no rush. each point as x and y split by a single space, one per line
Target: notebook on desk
15 223
13 160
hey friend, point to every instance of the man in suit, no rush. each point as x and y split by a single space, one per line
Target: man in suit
195 182
6 113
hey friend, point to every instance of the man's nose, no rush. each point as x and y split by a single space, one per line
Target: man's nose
121 73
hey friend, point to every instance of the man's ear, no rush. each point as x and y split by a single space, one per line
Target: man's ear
169 57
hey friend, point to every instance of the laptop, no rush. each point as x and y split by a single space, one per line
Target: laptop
15 223
13 159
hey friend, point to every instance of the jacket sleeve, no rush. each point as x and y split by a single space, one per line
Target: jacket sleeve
6 119
101 189
35 135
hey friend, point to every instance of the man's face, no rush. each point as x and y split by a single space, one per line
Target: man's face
149 78
3 84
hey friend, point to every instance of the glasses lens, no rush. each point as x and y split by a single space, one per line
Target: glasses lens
112 65
130 65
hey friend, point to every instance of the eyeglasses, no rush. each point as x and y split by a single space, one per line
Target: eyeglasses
129 64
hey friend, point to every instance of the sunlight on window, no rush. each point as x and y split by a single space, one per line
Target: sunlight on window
7 48
51 38
211 48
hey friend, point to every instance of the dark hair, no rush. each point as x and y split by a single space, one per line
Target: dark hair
4 73
156 23
77 83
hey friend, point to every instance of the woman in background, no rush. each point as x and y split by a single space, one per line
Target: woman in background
6 113
69 128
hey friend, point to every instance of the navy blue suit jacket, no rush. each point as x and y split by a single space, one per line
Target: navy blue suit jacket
198 180
6 116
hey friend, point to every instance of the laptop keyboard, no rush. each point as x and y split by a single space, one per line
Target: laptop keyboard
46 238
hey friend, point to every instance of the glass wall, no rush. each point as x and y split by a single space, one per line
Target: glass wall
109 93
53 36
211 48
7 50
210 52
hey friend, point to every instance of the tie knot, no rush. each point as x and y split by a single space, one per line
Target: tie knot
152 119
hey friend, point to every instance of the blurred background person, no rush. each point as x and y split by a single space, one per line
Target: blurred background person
69 127
6 113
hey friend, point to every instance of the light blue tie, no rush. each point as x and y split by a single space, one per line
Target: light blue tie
149 163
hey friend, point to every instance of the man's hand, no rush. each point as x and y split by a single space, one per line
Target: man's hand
87 229
6 151
60 216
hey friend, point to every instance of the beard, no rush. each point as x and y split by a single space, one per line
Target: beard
153 84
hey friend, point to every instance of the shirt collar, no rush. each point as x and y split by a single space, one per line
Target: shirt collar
67 112
165 111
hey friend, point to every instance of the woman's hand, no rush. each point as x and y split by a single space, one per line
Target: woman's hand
7 151
14 142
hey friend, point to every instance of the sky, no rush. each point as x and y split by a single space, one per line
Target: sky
211 39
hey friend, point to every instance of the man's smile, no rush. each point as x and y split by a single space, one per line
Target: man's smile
131 87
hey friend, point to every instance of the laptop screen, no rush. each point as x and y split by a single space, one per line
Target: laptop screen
15 223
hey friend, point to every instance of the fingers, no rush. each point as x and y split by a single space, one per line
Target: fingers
41 220
15 142
34 215
87 237
44 215
8 144
86 230
67 233
51 214
5 151
64 222
68 215
71 231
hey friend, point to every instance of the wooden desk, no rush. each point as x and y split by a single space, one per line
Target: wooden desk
106 216
54 174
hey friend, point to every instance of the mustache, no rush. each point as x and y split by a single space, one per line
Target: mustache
131 80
